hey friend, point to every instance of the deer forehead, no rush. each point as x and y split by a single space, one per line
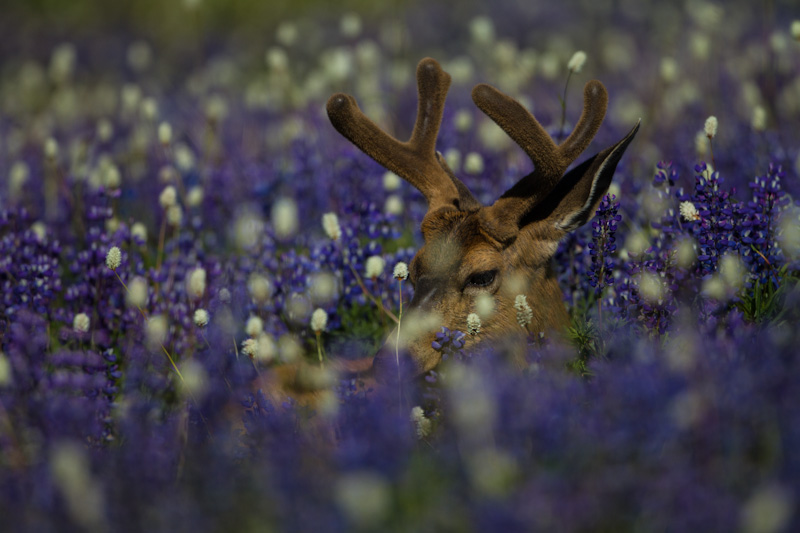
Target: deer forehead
456 244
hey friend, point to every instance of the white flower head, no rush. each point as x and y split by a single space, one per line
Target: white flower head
400 271
250 347
156 331
80 324
689 211
168 197
175 215
795 30
393 205
201 318
391 181
165 133
524 311
284 216
319 320
139 231
196 283
473 324
259 288
254 326
5 370
374 266
330 223
266 350
113 258
137 292
484 305
577 61
195 196
710 127
473 163
421 423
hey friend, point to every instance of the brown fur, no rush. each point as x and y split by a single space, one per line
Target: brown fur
516 237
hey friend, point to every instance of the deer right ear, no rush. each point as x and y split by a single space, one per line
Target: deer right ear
585 185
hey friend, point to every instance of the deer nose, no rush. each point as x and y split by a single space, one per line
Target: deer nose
425 291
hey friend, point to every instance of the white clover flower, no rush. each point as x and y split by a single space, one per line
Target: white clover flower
668 69
168 197
284 216
40 230
473 163
139 231
250 347
577 61
196 283
51 148
195 196
393 205
374 266
651 288
201 317
165 133
156 331
105 130
254 326
759 120
149 108
259 288
195 378
689 211
319 320
710 127
5 370
421 423
80 324
484 305
524 311
463 120
400 271
330 223
175 215
391 181
267 349
113 258
350 25
473 324
137 292
795 30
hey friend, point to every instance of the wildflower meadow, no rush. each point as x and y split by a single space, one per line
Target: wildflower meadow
189 253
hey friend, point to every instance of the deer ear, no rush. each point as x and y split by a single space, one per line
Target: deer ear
586 184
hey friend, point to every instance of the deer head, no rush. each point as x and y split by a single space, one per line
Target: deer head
501 250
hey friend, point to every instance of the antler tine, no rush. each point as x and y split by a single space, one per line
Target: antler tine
550 160
414 160
521 126
595 103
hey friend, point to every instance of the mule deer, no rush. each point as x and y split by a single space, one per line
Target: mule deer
504 249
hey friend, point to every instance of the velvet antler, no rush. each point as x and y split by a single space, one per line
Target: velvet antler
550 161
415 160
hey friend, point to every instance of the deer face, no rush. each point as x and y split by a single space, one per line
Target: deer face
495 252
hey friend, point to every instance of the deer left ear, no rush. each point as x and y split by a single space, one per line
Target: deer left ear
586 184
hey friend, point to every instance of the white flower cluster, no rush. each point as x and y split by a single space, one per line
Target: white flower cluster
524 311
374 266
81 323
421 422
400 271
473 324
330 223
689 211
577 61
201 317
710 127
114 258
319 320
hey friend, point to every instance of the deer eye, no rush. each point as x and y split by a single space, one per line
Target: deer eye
481 279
